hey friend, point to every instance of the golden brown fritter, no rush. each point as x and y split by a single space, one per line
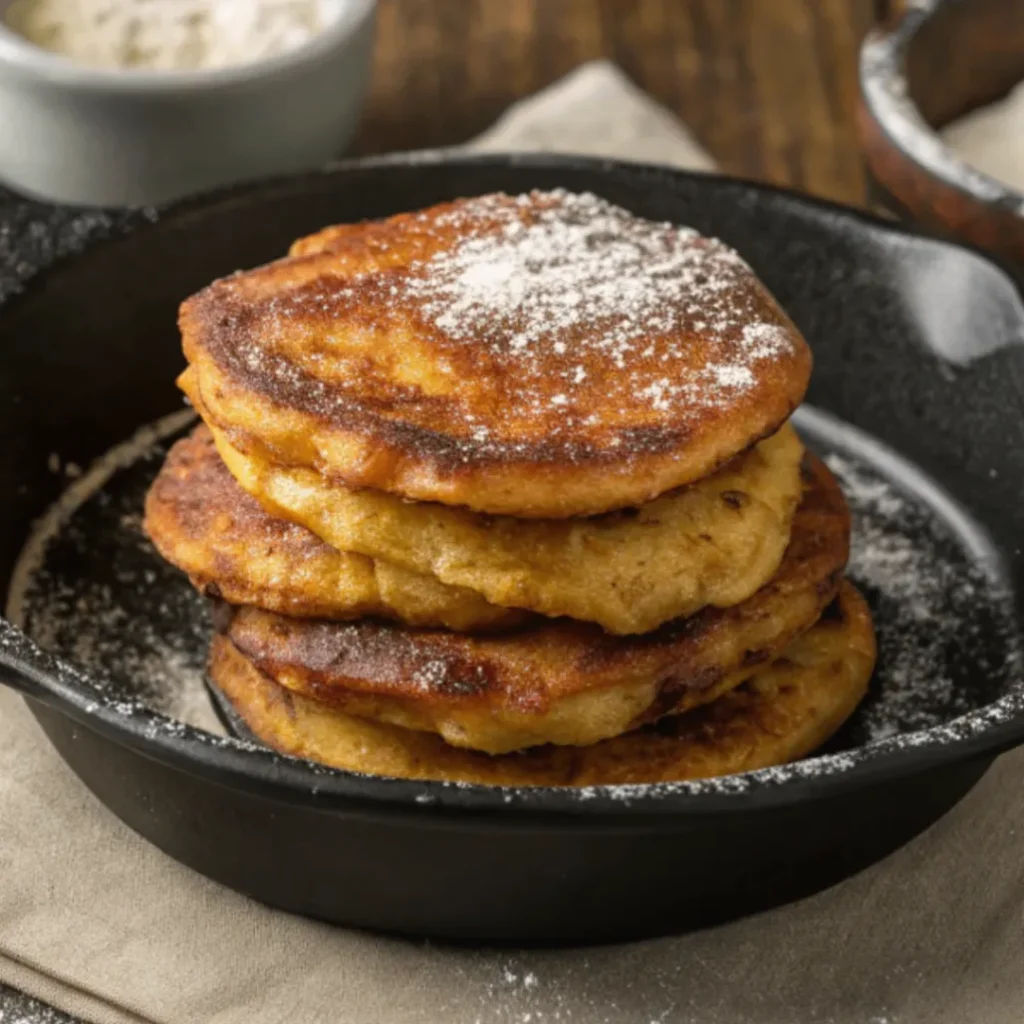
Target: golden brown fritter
544 355
712 543
200 520
561 682
787 710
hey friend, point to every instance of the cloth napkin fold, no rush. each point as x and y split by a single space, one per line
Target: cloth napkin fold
97 922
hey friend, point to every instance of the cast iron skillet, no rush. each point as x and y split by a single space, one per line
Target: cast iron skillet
916 342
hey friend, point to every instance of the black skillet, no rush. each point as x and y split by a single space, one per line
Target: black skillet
917 343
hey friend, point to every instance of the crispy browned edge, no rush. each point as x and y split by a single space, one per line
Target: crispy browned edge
528 671
784 713
203 522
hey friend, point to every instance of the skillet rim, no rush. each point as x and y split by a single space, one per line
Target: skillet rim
265 773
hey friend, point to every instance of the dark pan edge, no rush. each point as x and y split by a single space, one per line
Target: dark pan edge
255 769
235 764
149 217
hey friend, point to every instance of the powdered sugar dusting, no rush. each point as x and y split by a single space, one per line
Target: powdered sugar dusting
526 989
937 617
88 589
582 316
572 274
431 675
17 1008
34 235
559 261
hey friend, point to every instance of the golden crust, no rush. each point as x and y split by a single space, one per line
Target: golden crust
540 356
783 713
712 543
562 682
200 520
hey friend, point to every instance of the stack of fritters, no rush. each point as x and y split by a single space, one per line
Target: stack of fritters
503 491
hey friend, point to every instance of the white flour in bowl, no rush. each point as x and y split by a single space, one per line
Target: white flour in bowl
991 139
170 35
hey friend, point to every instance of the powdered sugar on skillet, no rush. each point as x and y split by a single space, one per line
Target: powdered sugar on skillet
926 603
33 235
18 1008
87 589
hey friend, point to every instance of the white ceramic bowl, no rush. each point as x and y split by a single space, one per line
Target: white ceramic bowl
75 134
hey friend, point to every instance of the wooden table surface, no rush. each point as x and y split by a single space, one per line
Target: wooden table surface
768 86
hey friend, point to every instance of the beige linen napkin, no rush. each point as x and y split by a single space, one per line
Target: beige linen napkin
598 111
97 922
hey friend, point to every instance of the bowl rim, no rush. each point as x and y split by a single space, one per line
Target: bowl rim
886 100
981 734
33 63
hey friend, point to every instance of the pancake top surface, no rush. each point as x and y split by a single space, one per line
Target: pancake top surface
544 354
